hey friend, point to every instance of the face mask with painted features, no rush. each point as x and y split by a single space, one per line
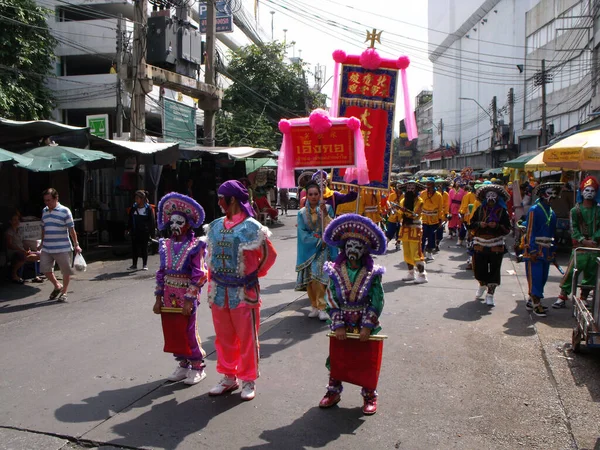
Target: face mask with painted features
410 187
354 249
178 224
491 197
589 193
550 194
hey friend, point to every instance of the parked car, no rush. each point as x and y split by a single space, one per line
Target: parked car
293 200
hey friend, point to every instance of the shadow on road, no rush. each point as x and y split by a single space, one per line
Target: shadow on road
277 288
112 276
468 312
11 291
317 428
519 324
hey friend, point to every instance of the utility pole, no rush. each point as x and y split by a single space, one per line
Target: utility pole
119 127
543 80
511 117
442 141
140 82
494 130
209 70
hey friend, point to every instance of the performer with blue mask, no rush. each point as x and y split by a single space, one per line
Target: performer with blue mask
539 244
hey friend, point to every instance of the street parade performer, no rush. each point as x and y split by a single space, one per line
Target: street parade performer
455 195
312 252
490 224
239 253
355 292
331 197
409 214
433 216
585 232
442 187
181 275
539 253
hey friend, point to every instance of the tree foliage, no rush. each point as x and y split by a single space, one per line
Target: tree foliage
265 89
26 54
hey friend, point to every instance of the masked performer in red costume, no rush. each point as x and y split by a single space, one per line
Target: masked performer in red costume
181 275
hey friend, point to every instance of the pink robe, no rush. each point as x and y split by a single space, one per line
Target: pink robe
455 201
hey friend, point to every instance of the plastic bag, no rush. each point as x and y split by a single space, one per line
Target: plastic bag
79 263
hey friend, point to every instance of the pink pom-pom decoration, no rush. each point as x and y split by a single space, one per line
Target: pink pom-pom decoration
370 59
339 56
353 123
403 62
319 121
285 126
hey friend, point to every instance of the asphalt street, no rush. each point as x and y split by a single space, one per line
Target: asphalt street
456 374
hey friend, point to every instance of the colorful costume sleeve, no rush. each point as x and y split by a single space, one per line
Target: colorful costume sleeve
464 204
596 227
160 273
344 198
333 307
441 208
371 318
446 202
505 222
260 259
575 226
530 245
199 274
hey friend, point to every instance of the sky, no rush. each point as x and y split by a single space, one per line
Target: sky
319 27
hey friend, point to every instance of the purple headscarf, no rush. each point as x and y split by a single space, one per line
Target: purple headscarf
233 188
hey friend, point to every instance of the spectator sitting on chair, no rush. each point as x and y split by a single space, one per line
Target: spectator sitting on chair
264 206
16 252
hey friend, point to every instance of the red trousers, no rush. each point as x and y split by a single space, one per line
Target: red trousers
237 341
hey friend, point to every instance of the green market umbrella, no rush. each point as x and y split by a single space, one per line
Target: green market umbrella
519 163
5 156
253 164
57 157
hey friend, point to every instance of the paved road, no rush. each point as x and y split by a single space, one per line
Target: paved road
456 374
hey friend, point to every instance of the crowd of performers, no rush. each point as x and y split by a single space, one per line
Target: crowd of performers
335 263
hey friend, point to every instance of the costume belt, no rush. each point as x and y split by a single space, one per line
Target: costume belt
488 242
458 202
371 209
433 212
177 281
544 241
249 280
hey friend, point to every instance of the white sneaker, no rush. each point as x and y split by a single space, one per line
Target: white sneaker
489 300
480 292
410 276
421 278
226 384
323 315
459 243
145 268
181 373
314 312
429 256
195 376
248 390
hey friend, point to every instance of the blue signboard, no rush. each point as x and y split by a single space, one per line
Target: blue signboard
224 17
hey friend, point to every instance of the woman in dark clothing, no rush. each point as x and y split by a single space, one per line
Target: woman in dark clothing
141 226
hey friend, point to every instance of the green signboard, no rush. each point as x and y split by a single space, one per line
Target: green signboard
98 125
179 123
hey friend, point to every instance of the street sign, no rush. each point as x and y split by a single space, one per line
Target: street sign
179 123
98 125
224 16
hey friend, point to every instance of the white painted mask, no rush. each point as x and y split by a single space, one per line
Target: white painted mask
589 193
355 249
178 222
491 197
550 194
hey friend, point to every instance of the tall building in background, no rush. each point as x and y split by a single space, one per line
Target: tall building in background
476 48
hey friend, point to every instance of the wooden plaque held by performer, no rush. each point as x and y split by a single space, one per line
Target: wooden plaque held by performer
175 329
356 362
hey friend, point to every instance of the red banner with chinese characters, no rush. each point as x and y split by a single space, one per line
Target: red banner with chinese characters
332 149
370 96
374 124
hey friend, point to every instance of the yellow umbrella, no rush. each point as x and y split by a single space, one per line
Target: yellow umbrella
580 151
537 164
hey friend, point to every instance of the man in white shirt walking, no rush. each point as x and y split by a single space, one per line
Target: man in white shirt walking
58 226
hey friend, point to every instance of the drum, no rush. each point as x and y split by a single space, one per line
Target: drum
356 362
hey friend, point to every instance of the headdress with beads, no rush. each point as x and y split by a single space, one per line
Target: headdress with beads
354 226
543 186
175 203
485 187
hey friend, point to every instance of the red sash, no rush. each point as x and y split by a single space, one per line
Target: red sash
174 327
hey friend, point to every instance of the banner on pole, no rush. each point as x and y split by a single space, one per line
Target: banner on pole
370 96
334 148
